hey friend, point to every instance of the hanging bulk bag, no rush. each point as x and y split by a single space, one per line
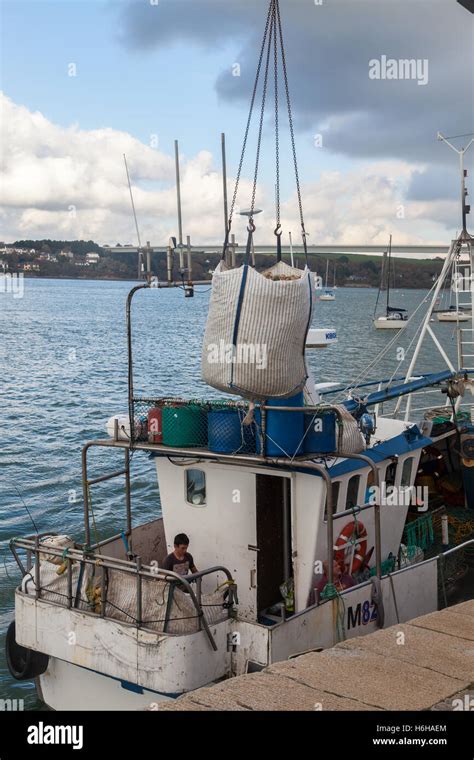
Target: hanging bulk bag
256 331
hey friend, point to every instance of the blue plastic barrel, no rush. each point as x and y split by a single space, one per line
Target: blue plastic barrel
320 433
285 430
227 435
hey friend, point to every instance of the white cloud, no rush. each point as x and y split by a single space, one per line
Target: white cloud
70 183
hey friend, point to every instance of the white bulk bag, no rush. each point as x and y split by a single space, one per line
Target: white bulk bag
256 331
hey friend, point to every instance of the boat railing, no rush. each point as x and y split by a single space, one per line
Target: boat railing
466 347
441 561
417 396
99 565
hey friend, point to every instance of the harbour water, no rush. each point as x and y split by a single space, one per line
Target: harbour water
64 367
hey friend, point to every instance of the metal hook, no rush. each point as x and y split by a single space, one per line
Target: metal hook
278 231
251 226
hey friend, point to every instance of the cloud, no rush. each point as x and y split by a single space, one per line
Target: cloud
66 183
329 46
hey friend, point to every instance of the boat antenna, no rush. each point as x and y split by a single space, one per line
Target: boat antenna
135 218
461 152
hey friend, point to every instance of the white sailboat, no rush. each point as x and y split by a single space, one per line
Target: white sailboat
394 318
328 294
460 283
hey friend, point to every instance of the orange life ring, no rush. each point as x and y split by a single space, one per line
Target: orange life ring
352 532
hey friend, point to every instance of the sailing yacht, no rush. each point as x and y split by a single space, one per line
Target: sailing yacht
328 294
394 318
460 284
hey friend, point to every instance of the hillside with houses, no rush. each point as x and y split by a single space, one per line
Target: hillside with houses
79 259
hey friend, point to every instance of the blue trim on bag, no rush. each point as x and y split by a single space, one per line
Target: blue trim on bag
237 317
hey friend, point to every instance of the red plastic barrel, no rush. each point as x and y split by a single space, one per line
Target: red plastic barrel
155 426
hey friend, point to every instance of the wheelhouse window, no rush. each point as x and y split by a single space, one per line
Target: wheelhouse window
390 474
336 487
196 487
352 491
369 489
407 471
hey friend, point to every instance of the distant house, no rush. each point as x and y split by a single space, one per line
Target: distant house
47 256
92 258
30 267
67 254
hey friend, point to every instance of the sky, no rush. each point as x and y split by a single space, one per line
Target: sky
85 81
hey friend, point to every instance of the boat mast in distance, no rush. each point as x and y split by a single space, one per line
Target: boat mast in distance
395 318
328 294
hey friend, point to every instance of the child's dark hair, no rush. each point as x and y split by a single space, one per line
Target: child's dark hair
181 539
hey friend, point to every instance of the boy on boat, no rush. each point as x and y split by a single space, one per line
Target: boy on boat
180 561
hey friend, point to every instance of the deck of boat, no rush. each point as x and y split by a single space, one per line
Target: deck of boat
425 664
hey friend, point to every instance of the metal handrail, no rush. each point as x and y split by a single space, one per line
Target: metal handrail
436 557
33 545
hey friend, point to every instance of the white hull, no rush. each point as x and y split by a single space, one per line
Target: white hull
453 317
389 324
65 686
327 298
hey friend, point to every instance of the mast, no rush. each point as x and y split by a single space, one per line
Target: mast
224 186
135 219
464 238
388 274
291 251
178 199
327 273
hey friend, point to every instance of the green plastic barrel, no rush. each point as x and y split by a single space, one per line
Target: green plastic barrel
185 426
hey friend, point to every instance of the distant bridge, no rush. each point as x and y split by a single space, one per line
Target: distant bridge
428 250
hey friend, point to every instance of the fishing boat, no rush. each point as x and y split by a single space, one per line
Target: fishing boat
394 317
314 516
328 293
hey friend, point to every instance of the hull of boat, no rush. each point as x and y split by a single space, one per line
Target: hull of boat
389 324
409 593
65 686
327 298
453 317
